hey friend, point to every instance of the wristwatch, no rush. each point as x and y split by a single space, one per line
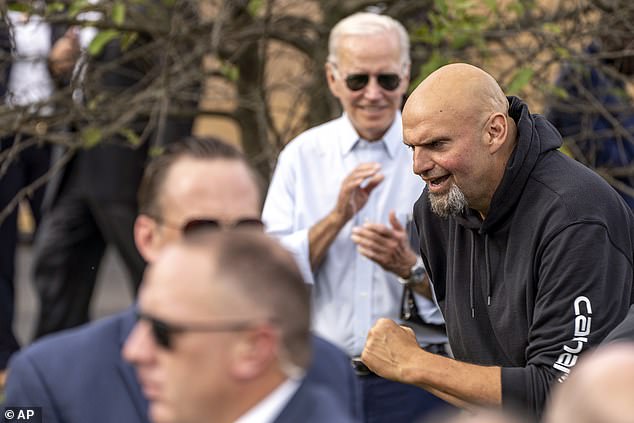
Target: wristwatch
417 274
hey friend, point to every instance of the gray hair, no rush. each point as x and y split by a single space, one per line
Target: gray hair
365 23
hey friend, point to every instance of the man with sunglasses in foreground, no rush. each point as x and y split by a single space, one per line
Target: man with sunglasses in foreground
340 198
79 376
231 345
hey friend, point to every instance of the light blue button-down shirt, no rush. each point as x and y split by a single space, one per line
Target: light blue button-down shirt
350 292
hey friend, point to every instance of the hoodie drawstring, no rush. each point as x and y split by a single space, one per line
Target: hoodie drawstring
487 260
471 278
488 265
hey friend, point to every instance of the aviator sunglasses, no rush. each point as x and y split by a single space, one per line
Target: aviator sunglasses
358 81
163 332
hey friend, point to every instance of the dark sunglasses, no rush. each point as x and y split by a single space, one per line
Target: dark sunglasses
195 225
212 224
387 81
163 332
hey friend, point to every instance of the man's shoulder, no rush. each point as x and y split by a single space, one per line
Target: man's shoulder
316 139
90 341
561 186
329 363
79 375
314 404
325 348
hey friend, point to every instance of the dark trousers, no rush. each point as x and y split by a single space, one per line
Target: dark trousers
23 170
68 250
384 401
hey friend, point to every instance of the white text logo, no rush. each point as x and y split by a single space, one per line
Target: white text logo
583 321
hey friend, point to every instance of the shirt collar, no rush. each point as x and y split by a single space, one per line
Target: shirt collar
267 410
393 138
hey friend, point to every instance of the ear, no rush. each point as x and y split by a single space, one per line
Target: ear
256 353
406 76
496 131
146 237
332 79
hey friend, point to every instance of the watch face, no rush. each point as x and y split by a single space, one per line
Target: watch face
418 274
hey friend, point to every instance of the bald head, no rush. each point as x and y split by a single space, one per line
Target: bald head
460 88
599 390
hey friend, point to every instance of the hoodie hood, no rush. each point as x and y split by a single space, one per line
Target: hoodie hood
535 136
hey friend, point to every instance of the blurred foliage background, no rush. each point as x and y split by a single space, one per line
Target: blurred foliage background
251 71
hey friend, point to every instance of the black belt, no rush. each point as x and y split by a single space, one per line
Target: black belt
361 369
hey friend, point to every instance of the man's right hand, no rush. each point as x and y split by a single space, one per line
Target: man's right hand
356 188
353 195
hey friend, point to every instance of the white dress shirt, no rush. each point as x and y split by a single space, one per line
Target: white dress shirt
30 81
350 292
267 410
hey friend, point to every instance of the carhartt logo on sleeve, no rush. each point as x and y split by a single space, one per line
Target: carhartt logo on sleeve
582 325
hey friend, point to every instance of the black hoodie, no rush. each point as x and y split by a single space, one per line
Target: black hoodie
544 277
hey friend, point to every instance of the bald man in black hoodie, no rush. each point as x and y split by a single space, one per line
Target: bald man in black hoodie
530 252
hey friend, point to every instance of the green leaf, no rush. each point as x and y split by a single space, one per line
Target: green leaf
230 71
95 102
77 7
521 78
492 5
552 28
463 39
441 7
563 53
54 7
435 61
517 7
90 136
566 150
20 7
101 39
463 6
156 150
128 39
254 7
118 13
131 136
558 92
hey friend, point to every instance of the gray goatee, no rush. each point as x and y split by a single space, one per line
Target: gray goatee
449 204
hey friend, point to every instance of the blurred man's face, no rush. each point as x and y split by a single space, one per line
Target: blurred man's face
187 379
371 109
219 189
